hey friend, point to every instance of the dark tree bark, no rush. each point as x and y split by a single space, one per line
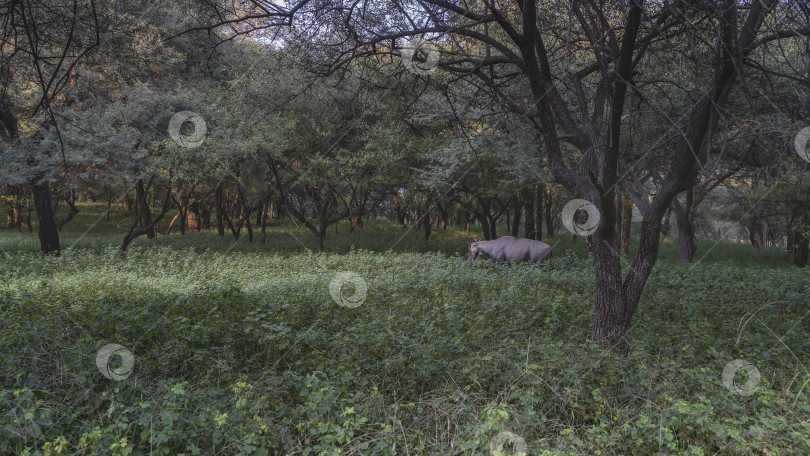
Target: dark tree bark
547 199
109 208
48 234
143 214
40 189
28 215
528 208
426 222
219 209
322 197
801 249
592 123
686 227
72 210
626 225
516 208
399 211
265 214
134 231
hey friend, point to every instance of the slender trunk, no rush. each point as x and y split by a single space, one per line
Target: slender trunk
426 220
18 215
801 249
28 215
171 223
263 235
219 209
619 208
443 211
109 208
134 231
528 207
516 208
399 211
48 234
549 218
666 228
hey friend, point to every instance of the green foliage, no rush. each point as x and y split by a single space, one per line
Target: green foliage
243 351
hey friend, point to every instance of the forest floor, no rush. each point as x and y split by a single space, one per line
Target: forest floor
239 348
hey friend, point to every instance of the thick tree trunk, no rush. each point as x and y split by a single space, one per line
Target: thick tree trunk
685 216
48 234
484 226
143 212
686 237
318 235
610 319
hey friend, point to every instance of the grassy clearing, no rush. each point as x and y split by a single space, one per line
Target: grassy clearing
239 349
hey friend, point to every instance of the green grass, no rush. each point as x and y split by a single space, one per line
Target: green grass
240 349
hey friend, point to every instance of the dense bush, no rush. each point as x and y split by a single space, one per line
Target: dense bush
243 351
